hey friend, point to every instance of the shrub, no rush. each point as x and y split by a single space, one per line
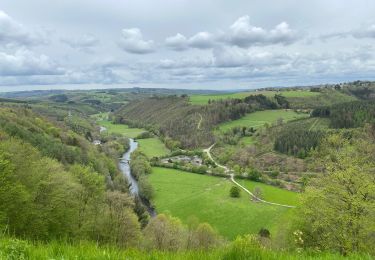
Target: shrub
235 192
263 232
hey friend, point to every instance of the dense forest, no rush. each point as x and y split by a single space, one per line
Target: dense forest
348 115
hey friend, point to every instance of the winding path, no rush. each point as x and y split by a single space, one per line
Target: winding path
231 175
200 121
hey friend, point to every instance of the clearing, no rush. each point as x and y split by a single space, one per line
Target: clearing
260 118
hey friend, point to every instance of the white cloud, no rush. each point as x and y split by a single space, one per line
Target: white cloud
243 34
177 42
202 40
24 62
85 43
132 41
14 33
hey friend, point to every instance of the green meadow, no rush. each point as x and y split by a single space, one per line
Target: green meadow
120 129
203 99
260 118
185 194
152 147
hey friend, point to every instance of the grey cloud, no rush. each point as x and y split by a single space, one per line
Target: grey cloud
92 75
233 63
367 32
237 57
85 43
132 41
358 33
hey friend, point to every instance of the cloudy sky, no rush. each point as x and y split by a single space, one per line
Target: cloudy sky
200 44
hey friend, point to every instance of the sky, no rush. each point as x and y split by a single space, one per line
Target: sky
205 44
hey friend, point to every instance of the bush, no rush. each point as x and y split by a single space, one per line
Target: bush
235 192
254 175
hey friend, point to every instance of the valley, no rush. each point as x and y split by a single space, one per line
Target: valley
243 165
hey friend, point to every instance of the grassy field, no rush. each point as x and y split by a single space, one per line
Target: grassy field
186 194
203 99
120 129
152 147
260 118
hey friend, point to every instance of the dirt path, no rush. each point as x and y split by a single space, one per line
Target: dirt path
231 175
200 122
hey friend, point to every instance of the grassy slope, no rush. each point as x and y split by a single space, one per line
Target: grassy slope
203 99
325 98
186 194
260 118
121 129
152 147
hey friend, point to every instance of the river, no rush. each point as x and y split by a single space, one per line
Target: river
125 167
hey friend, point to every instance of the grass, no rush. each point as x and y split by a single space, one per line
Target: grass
186 194
152 147
260 118
11 248
120 129
203 99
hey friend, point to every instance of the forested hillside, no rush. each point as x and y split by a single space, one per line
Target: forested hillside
174 117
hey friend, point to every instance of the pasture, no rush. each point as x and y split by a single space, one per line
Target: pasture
184 194
260 118
203 99
152 147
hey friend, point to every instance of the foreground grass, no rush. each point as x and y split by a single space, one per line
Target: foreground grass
203 99
13 249
152 147
184 194
260 118
120 129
